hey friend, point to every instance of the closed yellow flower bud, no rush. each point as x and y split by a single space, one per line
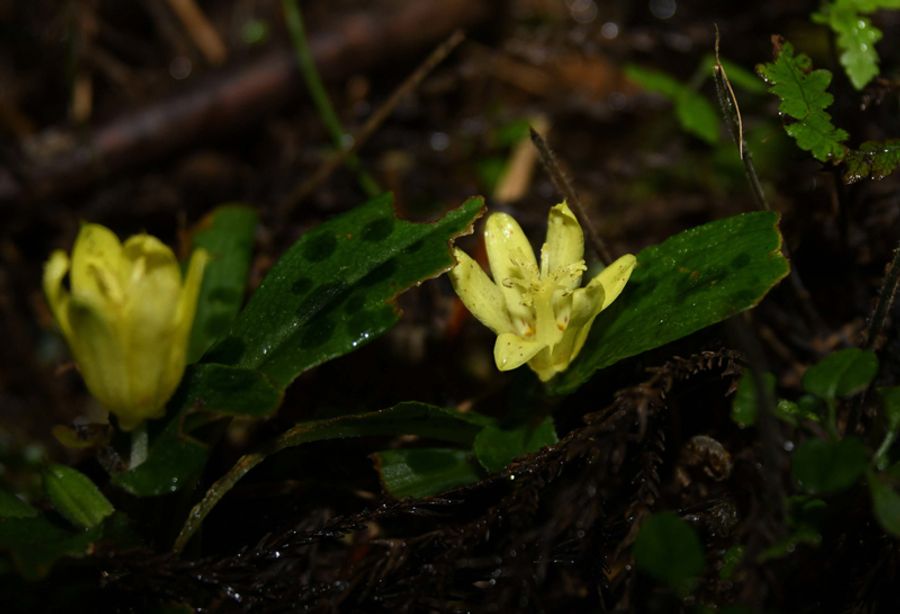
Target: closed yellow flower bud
126 316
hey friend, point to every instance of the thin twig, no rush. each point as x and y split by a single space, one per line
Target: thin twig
548 159
734 122
374 122
294 21
884 302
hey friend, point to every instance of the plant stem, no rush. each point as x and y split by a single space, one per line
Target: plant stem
139 445
294 21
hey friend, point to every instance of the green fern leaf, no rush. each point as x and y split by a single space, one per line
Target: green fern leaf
804 97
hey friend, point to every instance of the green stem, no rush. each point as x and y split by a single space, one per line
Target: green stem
139 445
881 456
294 21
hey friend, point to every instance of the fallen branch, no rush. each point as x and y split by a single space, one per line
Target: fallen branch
57 161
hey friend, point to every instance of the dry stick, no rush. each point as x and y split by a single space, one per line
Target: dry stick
293 19
374 122
885 300
564 187
232 99
872 339
735 124
201 30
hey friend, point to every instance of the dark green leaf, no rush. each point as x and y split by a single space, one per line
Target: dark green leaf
332 291
695 113
424 472
841 374
13 507
890 400
690 281
803 534
874 159
821 466
744 409
75 496
406 418
227 235
35 544
206 392
806 407
885 504
804 97
173 461
496 447
668 549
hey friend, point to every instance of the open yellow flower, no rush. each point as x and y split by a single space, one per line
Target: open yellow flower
126 316
541 316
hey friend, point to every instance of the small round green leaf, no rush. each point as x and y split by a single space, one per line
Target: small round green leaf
668 549
821 466
885 505
745 406
841 374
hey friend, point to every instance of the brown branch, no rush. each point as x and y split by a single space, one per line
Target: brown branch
61 161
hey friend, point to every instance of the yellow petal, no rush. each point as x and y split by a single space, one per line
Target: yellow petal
542 364
97 346
97 265
613 279
512 351
513 265
564 245
479 294
55 270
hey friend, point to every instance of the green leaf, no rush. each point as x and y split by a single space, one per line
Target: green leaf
890 400
423 472
804 97
856 36
690 281
410 418
821 466
805 408
885 504
35 544
75 496
496 447
668 549
695 113
841 374
227 235
745 406
207 391
874 159
13 507
332 290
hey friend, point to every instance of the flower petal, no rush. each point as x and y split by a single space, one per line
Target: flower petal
58 297
97 265
513 265
613 279
479 294
512 351
564 245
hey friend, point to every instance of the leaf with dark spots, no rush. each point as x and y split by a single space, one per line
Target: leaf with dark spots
680 286
307 309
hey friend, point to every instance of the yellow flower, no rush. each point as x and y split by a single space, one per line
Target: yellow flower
541 316
126 317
